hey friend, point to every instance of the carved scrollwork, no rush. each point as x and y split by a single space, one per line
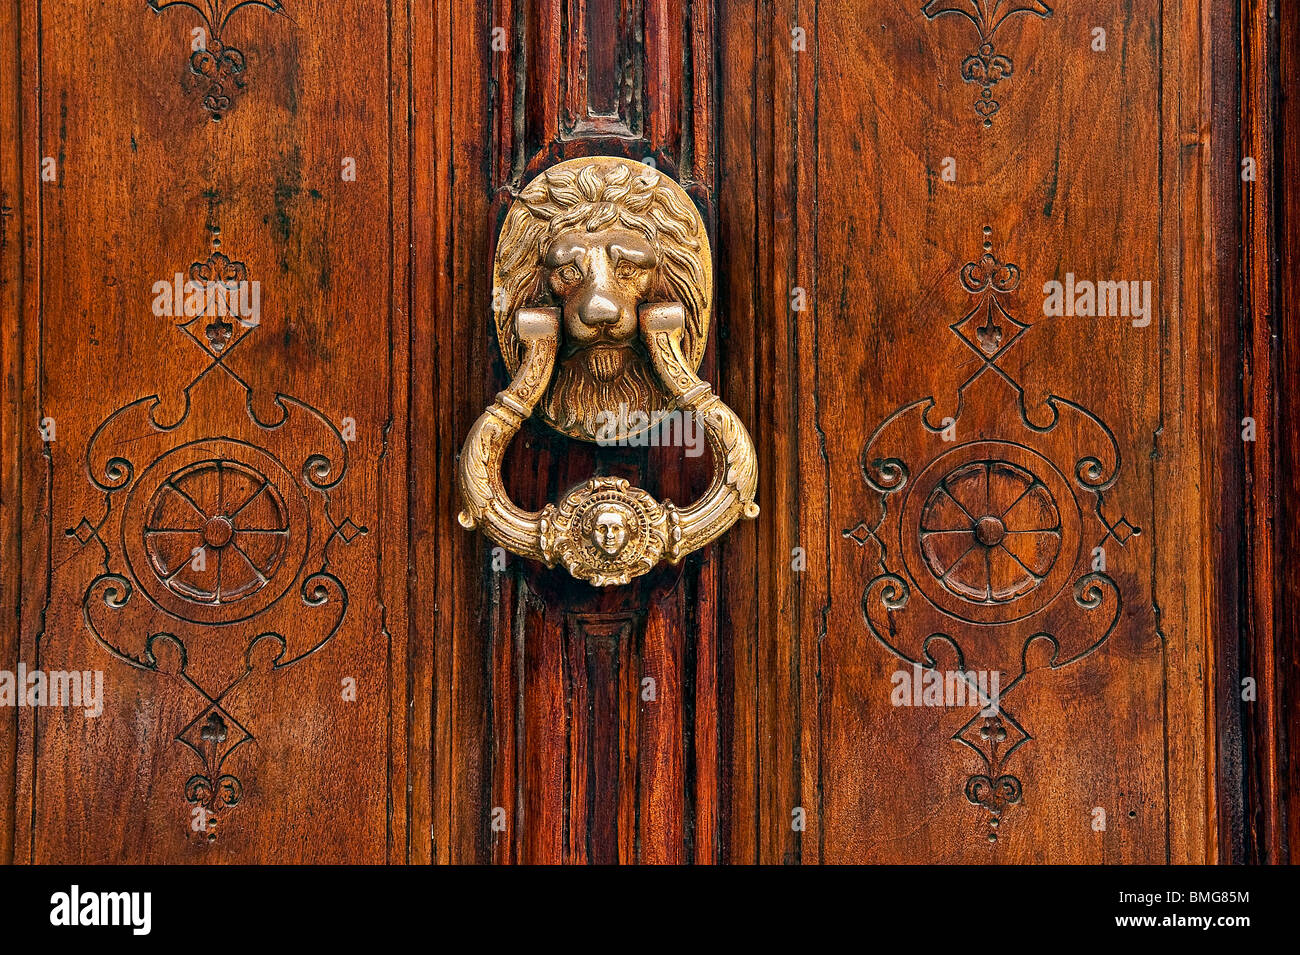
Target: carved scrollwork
986 545
216 62
212 546
986 67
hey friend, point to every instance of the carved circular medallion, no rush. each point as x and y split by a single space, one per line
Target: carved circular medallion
598 237
991 532
215 531
607 532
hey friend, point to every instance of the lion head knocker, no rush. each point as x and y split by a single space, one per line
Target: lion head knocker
603 281
597 238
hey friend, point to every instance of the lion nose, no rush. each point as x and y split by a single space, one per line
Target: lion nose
598 310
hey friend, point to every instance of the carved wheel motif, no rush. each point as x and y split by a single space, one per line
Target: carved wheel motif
221 531
990 532
1004 536
217 532
215 552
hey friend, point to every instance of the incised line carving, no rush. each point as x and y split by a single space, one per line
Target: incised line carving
986 67
985 549
214 60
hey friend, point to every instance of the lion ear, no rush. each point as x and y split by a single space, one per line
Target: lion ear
537 190
540 210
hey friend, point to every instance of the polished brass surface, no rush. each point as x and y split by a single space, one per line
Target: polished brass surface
603 281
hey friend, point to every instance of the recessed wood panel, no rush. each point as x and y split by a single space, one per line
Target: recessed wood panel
979 487
212 493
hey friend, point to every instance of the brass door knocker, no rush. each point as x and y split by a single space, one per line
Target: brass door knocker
604 279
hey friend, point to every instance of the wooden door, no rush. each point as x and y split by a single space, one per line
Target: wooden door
206 512
973 299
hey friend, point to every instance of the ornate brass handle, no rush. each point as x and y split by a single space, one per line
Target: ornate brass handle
601 238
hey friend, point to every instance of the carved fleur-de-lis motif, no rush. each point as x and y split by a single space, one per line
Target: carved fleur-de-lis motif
989 327
213 59
213 791
986 67
964 546
214 729
217 270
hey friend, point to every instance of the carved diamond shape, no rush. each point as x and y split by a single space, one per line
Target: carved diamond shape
988 328
999 733
860 534
1122 530
216 729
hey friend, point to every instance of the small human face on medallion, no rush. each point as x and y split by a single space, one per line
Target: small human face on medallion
609 530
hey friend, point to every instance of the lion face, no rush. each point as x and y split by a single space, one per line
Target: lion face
600 278
598 237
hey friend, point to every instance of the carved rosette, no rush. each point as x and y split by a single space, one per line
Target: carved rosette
217 552
981 551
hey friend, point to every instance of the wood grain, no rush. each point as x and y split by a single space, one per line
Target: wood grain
1286 537
502 713
12 403
204 707
845 144
538 714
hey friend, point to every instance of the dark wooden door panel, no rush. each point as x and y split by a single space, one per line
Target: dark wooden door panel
927 414
212 506
541 715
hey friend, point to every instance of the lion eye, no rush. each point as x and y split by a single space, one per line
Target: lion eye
626 270
568 274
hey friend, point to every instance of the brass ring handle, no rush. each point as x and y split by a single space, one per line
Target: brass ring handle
606 531
619 255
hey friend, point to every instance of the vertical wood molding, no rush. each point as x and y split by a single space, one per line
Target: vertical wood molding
775 618
12 406
1252 826
1250 763
1286 190
1268 213
521 769
602 677
395 507
33 498
625 77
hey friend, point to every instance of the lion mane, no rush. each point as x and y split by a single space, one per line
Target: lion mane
590 198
